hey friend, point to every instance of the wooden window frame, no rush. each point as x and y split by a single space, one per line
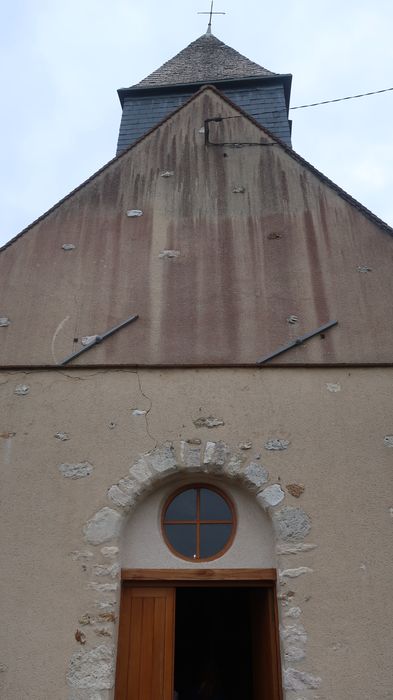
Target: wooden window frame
198 522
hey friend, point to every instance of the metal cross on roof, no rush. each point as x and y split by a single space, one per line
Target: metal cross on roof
211 13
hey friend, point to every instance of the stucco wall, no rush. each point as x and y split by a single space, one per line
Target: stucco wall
255 238
335 426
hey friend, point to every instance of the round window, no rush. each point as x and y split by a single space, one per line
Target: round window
198 523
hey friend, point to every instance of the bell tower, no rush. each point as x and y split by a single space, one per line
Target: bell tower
259 92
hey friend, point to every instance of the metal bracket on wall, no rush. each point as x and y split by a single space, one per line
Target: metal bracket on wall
234 144
98 339
297 341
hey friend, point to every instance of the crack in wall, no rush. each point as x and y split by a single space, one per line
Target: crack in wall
150 400
89 375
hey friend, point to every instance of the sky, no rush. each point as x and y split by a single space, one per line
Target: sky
61 64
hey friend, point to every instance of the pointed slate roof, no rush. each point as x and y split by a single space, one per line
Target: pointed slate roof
205 60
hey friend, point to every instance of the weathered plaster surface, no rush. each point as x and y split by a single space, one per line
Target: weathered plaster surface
60 536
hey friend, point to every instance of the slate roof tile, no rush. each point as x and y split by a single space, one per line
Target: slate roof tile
206 59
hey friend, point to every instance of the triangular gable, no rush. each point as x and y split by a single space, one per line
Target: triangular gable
302 161
239 249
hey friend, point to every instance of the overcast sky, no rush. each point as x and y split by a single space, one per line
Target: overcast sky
62 62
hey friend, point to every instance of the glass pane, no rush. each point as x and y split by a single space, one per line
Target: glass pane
183 506
213 539
182 539
213 506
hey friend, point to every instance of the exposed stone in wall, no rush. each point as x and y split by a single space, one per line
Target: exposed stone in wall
107 617
103 587
190 454
162 460
110 552
294 634
88 339
85 619
256 474
295 490
77 555
169 254
294 573
76 471
299 680
276 445
87 695
105 605
216 454
291 524
141 472
113 570
234 466
209 422
131 485
294 613
294 548
293 654
333 388
271 496
80 637
388 440
245 445
103 526
103 631
22 390
93 669
63 437
119 498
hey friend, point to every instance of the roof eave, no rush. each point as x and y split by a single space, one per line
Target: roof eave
284 78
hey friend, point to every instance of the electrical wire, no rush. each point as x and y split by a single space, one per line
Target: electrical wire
341 99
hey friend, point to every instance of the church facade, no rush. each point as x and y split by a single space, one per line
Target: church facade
196 428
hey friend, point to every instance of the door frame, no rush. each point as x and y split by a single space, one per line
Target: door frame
180 578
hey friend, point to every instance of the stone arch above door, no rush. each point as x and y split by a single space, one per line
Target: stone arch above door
91 671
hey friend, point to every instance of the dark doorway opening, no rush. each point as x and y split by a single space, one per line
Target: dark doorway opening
214 644
188 630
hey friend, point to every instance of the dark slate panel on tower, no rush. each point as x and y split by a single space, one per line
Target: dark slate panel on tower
266 104
206 61
142 113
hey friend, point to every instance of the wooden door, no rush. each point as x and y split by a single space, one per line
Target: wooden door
145 658
265 645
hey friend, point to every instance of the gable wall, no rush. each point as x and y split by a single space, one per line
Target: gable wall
288 245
